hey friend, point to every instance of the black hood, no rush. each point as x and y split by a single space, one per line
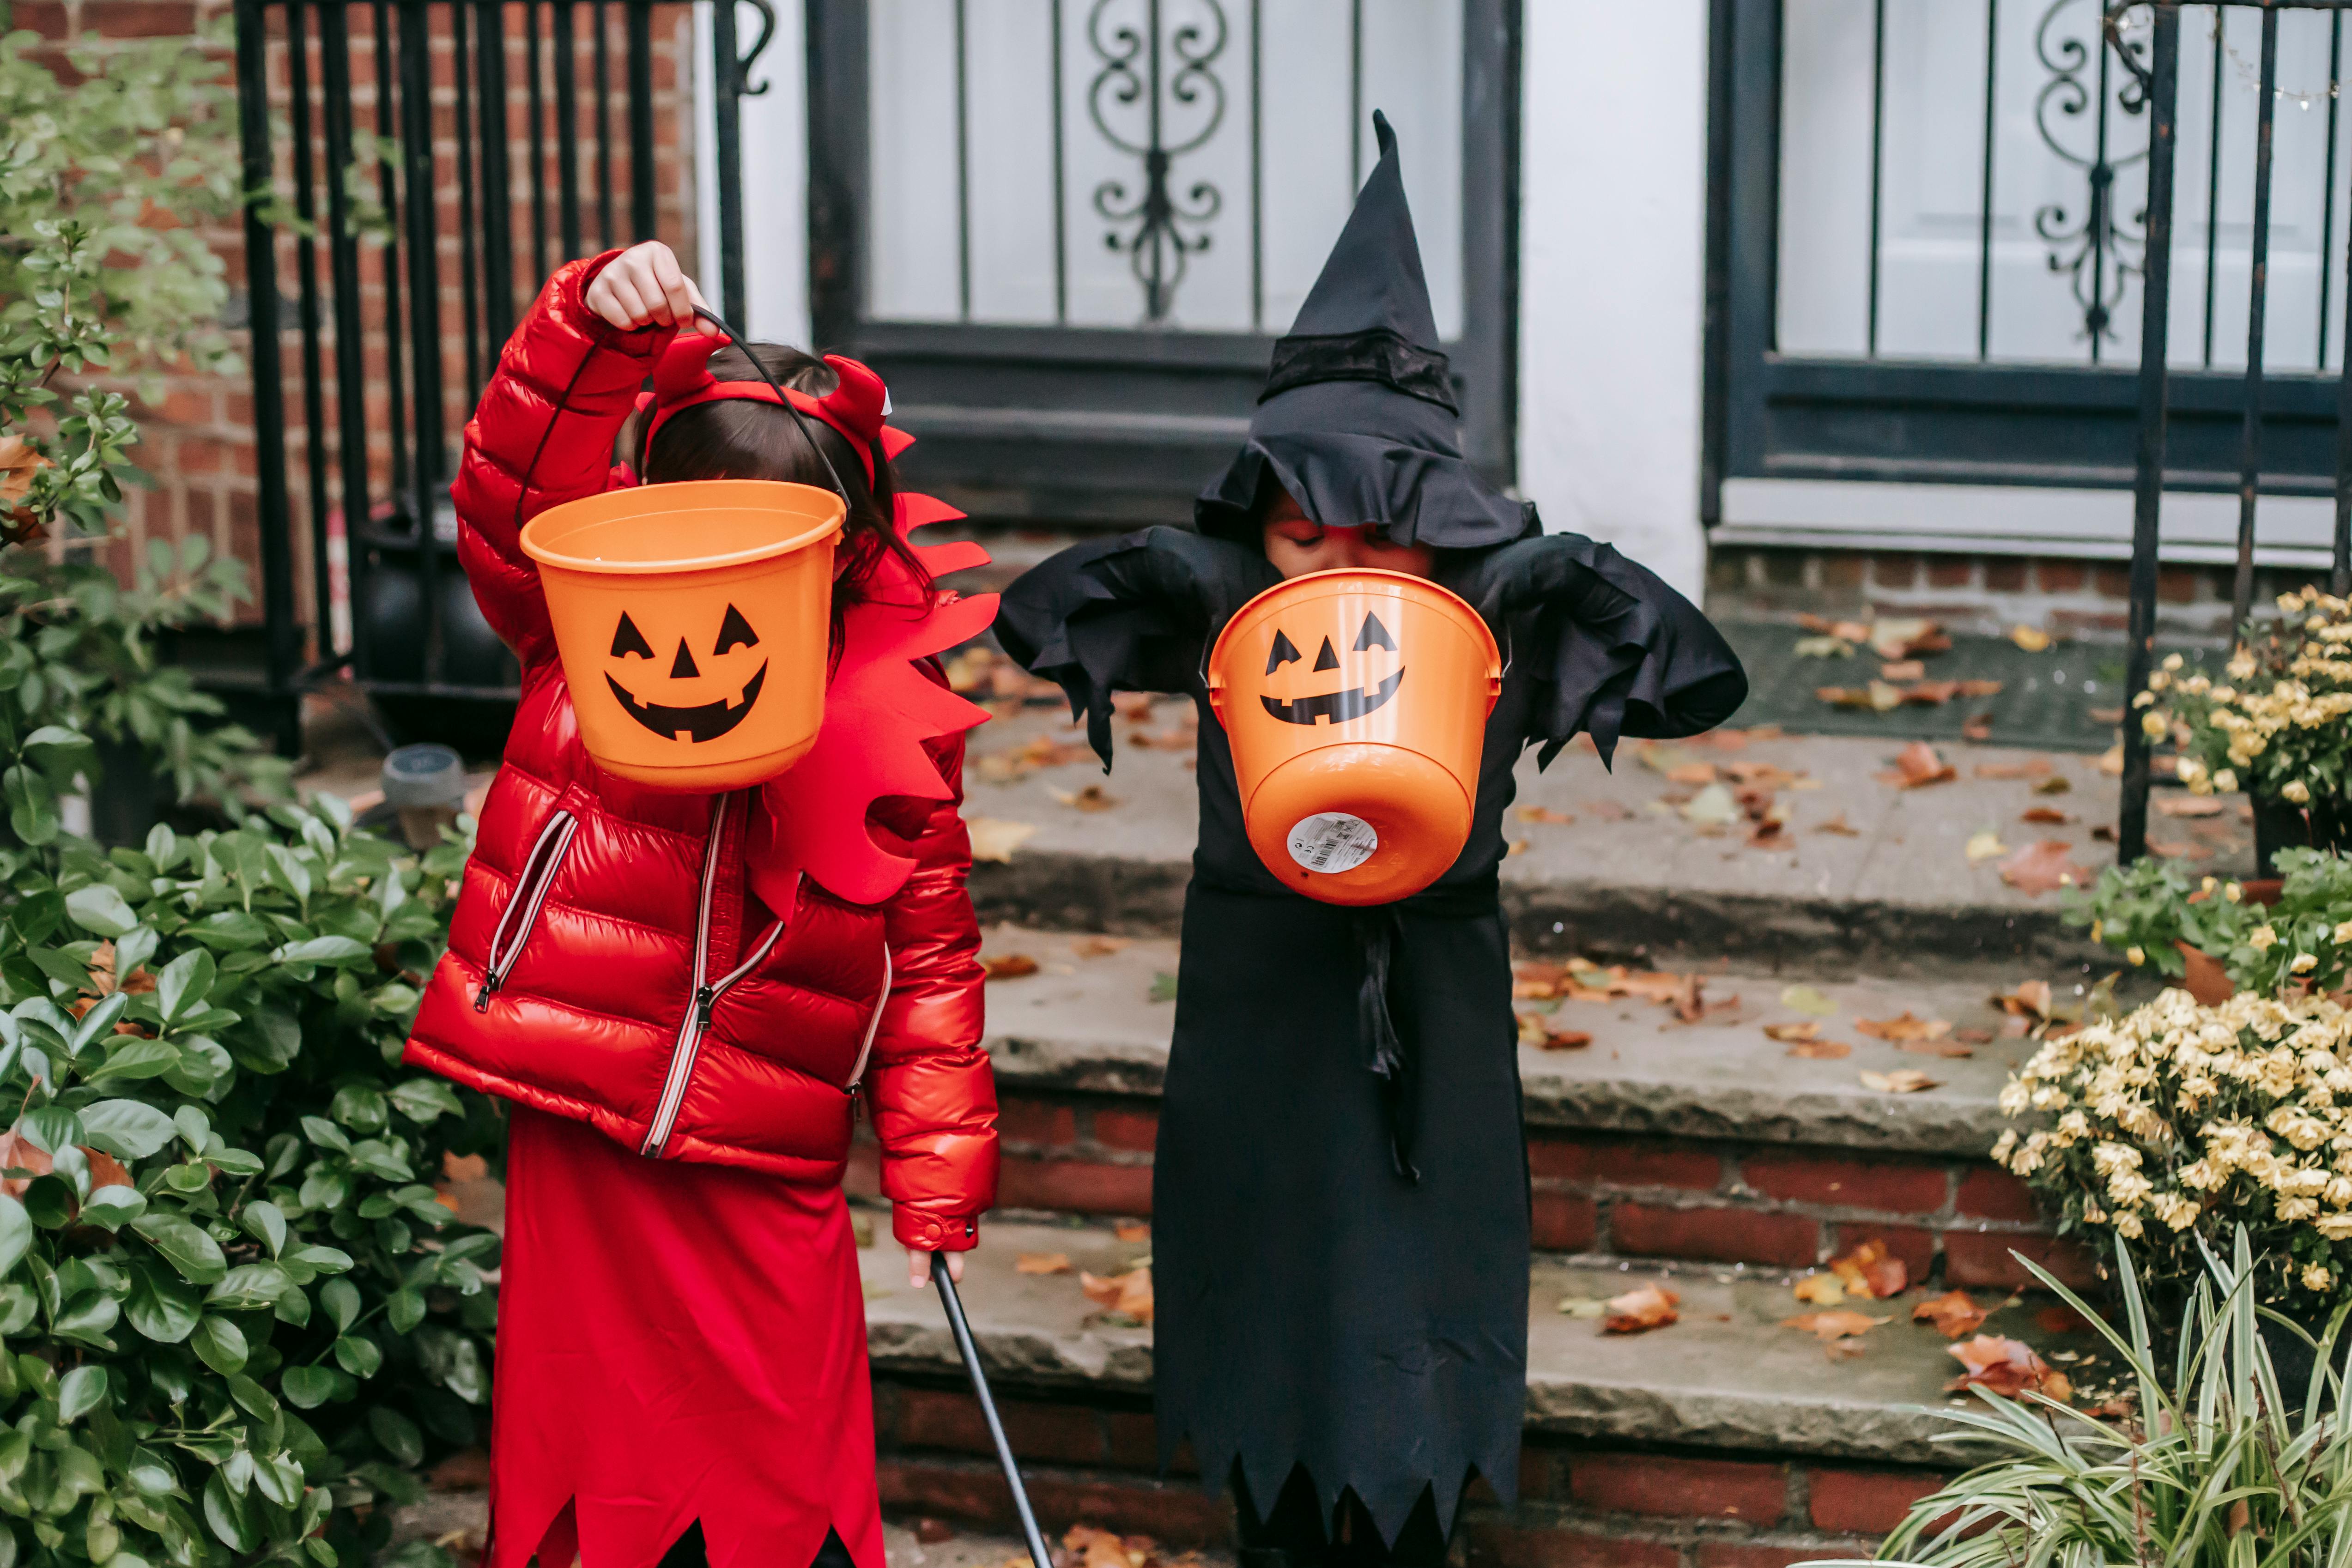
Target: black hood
1359 420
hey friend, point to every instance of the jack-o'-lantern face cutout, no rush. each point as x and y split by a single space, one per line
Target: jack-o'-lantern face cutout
698 698
1370 687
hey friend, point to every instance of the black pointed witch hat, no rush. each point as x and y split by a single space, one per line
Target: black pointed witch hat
1358 418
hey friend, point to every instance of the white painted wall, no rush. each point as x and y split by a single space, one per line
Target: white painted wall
1613 230
775 176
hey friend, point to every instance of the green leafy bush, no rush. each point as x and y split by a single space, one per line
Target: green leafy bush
233 1309
2304 938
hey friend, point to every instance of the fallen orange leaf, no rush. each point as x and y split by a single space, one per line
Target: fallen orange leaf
1838 824
1543 814
1131 1231
1952 1313
1827 1326
1918 764
2050 816
1869 1272
1042 1264
1009 966
1101 947
1129 1292
1902 1081
2032 767
1638 1311
2030 999
1904 1028
2043 867
1820 1289
2007 1367
1822 1050
1805 1030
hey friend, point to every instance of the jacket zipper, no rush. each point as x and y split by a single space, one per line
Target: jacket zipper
706 992
873 1025
539 869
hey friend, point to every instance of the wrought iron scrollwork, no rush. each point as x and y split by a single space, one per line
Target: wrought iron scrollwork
2102 250
1157 98
741 86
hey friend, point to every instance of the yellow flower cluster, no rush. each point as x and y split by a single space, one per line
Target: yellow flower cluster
2245 1109
2312 692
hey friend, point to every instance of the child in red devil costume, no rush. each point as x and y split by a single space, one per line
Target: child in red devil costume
687 996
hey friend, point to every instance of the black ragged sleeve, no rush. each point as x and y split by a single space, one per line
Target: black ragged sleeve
1131 615
1619 652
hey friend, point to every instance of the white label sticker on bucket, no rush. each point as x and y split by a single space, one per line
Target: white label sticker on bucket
1332 841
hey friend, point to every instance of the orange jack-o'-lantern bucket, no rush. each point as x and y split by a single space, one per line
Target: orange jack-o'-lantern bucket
1357 704
693 621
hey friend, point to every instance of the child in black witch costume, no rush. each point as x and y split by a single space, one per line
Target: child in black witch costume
1340 1208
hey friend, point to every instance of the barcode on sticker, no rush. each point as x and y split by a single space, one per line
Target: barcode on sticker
1332 841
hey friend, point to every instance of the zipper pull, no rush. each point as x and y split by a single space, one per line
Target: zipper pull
482 996
703 1001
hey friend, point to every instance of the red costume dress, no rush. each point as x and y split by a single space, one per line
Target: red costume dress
687 996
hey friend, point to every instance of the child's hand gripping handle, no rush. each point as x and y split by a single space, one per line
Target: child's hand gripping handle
970 1353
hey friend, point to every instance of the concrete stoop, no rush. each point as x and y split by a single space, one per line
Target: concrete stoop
1726 1438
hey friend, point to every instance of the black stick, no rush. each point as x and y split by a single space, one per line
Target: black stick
970 1353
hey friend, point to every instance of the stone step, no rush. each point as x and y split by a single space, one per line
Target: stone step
1864 877
1726 1431
1699 1141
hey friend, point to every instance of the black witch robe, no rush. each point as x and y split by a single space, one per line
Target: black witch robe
1340 1202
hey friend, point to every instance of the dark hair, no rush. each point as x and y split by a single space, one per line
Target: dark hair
739 439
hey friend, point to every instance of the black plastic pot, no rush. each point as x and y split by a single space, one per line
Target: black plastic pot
2325 824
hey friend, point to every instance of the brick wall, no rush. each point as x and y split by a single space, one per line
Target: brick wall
2079 599
198 444
1578 1504
1768 1205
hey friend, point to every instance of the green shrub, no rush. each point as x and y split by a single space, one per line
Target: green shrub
232 1309
2304 938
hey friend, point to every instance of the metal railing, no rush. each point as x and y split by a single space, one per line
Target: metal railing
2155 68
500 143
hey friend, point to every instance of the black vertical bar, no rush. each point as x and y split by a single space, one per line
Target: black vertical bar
567 129
1877 162
344 265
284 645
498 193
1715 344
2102 196
642 213
536 101
2250 448
424 315
1257 168
2213 181
1061 175
727 115
1984 233
2340 578
604 127
2328 181
306 263
388 197
963 172
2155 391
469 281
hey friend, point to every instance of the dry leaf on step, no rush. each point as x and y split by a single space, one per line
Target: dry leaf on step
1808 1000
1917 765
1902 1081
1842 1323
2056 784
2030 999
995 838
1131 1231
1984 846
2047 816
1820 1289
1838 824
1093 798
1976 728
2032 639
1906 1028
1042 1264
1791 1034
2176 805
1101 947
2032 767
1952 1313
1543 814
1903 669
2043 867
1638 1310
1129 1293
2006 1366
1822 1050
1582 1307
1009 966
1868 1271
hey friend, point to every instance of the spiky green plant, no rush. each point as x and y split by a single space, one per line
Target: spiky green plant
2214 1467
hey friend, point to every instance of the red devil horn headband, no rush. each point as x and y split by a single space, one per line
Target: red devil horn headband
682 380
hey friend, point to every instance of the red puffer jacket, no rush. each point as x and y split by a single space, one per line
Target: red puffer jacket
608 962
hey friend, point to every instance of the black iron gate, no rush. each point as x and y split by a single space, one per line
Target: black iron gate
442 153
2155 66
